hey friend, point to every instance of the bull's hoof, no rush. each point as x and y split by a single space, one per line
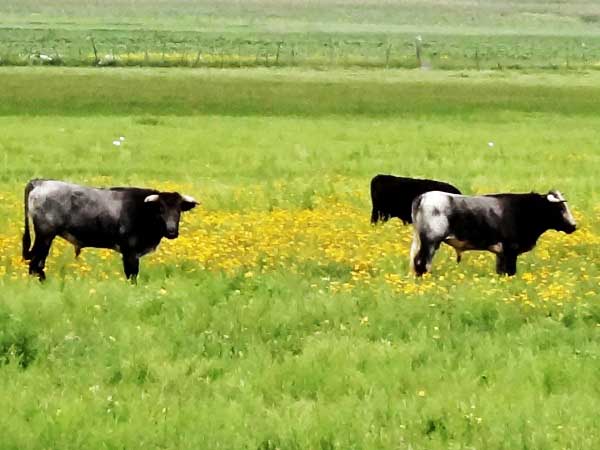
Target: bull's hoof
507 274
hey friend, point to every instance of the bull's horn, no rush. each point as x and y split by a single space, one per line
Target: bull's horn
151 198
190 199
552 197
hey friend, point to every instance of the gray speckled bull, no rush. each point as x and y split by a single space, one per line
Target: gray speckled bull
504 224
129 220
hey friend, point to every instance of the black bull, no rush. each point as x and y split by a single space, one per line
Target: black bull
393 196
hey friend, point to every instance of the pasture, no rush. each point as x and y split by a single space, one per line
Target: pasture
280 318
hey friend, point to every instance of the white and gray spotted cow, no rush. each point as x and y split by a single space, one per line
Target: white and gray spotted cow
129 220
504 224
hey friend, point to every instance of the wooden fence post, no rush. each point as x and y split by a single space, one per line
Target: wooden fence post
279 44
95 51
388 51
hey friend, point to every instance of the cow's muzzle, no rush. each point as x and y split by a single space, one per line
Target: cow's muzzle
172 234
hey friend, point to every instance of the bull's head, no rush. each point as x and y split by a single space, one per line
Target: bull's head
560 215
169 206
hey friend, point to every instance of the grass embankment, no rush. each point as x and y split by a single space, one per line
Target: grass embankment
281 92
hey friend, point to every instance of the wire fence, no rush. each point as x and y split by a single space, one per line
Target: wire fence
404 52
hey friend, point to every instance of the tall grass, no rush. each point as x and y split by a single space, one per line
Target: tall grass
270 363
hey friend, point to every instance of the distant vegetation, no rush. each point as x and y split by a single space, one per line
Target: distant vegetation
393 34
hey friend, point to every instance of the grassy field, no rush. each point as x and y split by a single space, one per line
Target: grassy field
280 318
455 34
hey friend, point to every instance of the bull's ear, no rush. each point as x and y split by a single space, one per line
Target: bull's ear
188 203
151 198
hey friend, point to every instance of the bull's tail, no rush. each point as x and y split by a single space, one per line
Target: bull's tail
375 213
415 207
26 236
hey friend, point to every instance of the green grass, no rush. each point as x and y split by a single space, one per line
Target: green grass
276 360
278 92
269 363
260 126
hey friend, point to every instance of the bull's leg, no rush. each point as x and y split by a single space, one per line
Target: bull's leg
424 256
511 264
39 253
506 263
131 265
500 264
374 216
414 249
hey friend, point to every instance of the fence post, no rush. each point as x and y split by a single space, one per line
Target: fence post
279 44
95 51
418 40
388 51
331 51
